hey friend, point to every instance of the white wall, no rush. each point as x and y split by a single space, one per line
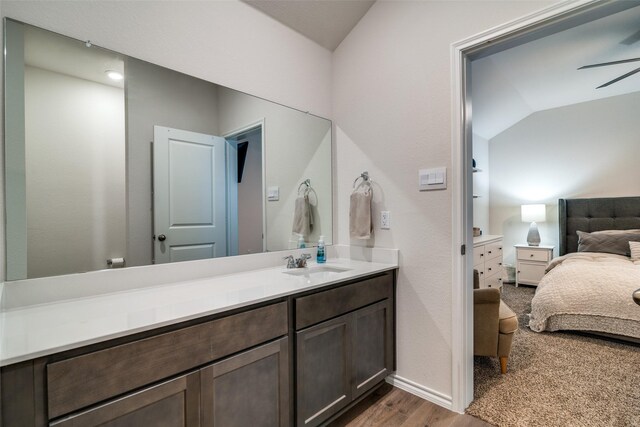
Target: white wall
590 149
197 38
392 115
75 160
296 146
481 184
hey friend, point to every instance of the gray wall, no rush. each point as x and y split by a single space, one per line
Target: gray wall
590 149
157 96
75 161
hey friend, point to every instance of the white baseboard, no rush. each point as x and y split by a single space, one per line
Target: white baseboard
421 391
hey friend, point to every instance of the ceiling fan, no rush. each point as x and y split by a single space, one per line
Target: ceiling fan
628 41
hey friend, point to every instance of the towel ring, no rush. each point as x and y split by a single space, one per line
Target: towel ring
306 182
364 176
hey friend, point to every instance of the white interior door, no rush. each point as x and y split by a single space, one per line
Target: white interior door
189 195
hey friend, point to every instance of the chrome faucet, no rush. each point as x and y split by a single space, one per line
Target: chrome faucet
297 262
302 261
290 261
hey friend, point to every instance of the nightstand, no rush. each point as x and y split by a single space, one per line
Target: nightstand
531 261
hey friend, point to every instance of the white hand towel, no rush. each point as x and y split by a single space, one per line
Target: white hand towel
302 216
360 225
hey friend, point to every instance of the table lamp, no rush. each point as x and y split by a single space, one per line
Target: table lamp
533 213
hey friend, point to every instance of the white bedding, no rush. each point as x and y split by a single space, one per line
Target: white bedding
588 291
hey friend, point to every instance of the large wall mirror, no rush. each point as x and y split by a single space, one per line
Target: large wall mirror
111 158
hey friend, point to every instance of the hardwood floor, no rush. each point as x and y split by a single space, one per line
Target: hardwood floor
391 407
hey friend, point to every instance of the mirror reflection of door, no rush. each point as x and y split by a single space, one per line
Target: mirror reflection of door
189 199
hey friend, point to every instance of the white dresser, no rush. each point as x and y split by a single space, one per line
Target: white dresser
531 262
487 259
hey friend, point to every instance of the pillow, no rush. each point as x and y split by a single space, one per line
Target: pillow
635 251
608 241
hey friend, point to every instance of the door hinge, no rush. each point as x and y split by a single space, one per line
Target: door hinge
463 249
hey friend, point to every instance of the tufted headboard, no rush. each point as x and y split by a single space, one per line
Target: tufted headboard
606 213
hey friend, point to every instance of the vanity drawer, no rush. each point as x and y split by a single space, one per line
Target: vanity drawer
325 305
75 383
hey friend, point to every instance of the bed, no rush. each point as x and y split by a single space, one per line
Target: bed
589 287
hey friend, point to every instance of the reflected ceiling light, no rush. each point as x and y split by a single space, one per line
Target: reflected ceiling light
114 75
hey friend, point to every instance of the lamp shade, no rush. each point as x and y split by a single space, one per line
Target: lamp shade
533 213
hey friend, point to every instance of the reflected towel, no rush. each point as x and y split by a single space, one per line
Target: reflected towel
302 216
360 225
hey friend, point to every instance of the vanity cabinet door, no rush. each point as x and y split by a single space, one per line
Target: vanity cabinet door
248 390
372 346
323 370
175 403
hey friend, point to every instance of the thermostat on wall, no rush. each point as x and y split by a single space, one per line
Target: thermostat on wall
432 179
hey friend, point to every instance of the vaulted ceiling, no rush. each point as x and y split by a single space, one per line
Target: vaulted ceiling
327 22
543 74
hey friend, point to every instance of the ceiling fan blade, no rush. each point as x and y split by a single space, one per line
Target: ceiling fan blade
631 39
624 76
604 64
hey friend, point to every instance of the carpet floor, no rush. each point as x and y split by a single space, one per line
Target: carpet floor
557 378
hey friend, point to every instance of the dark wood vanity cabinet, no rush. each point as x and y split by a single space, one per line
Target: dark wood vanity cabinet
340 359
167 379
250 389
298 361
174 403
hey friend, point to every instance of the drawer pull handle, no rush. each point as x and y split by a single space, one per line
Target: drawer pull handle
531 255
489 268
489 251
481 254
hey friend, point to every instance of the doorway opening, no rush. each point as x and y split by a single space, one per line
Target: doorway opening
246 192
544 23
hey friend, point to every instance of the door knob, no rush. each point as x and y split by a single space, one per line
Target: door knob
162 237
636 296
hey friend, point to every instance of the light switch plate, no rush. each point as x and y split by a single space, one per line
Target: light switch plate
432 179
273 193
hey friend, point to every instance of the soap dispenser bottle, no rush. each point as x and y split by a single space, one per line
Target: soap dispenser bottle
301 244
321 257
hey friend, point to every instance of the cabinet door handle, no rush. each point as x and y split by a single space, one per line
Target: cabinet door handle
531 255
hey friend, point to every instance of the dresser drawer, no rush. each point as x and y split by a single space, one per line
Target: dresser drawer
75 383
533 255
493 266
494 281
493 250
478 256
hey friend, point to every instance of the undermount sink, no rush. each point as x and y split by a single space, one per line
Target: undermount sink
315 270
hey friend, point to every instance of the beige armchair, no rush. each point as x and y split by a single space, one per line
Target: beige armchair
494 325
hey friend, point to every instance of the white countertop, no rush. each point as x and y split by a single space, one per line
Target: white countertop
42 329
